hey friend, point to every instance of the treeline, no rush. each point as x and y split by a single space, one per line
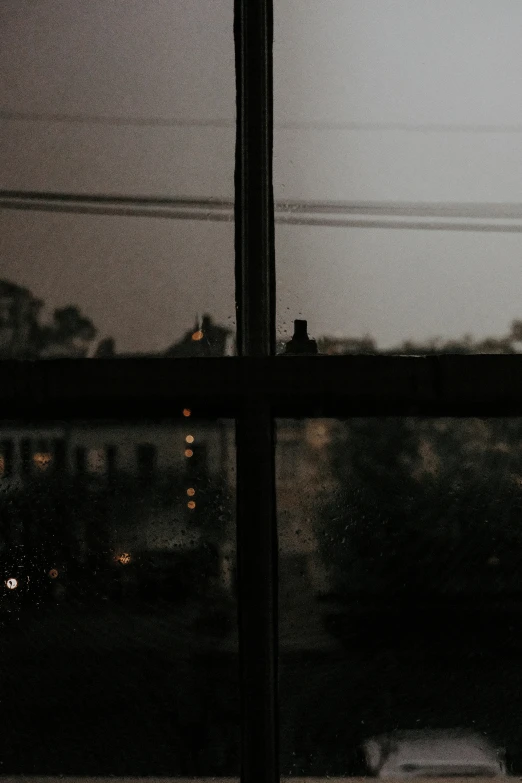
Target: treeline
425 507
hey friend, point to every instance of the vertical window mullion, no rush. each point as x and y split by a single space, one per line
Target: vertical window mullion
254 201
257 592
255 307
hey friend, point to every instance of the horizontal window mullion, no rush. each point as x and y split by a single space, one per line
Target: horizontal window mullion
292 385
257 559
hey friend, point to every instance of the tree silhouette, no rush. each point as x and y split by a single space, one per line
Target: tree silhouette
23 335
69 334
426 506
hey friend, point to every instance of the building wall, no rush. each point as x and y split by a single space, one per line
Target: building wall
303 474
304 481
167 441
161 522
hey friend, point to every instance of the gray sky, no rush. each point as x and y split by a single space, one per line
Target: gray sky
412 62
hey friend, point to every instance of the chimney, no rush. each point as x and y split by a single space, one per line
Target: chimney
300 342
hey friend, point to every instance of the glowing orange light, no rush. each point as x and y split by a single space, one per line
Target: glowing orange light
11 584
42 459
53 573
191 492
190 439
124 558
197 335
188 453
186 411
191 504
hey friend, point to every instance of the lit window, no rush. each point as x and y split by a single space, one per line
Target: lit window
42 459
96 460
6 458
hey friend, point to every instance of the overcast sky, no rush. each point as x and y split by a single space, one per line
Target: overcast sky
411 62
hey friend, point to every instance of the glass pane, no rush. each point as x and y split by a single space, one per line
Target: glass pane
117 599
133 100
396 164
400 596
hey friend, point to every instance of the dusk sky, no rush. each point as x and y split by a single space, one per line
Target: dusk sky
405 62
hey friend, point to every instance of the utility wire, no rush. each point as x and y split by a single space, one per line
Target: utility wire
131 122
500 228
116 198
420 216
450 209
497 211
402 127
118 211
221 123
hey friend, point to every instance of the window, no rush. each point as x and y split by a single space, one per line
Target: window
6 458
25 456
80 456
60 455
146 460
96 461
111 453
127 608
130 155
289 443
393 172
254 388
399 585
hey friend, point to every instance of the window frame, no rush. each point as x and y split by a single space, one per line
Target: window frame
257 386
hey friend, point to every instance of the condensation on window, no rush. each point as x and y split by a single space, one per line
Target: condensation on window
118 643
400 552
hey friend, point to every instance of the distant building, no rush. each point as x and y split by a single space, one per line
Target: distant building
186 455
189 450
204 339
99 450
106 349
305 483
337 346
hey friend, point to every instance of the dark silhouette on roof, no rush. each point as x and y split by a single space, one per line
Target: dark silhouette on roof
300 342
204 339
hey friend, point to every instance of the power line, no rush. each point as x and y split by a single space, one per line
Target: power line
93 119
116 198
403 127
477 210
222 123
480 211
408 216
220 210
119 211
500 228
